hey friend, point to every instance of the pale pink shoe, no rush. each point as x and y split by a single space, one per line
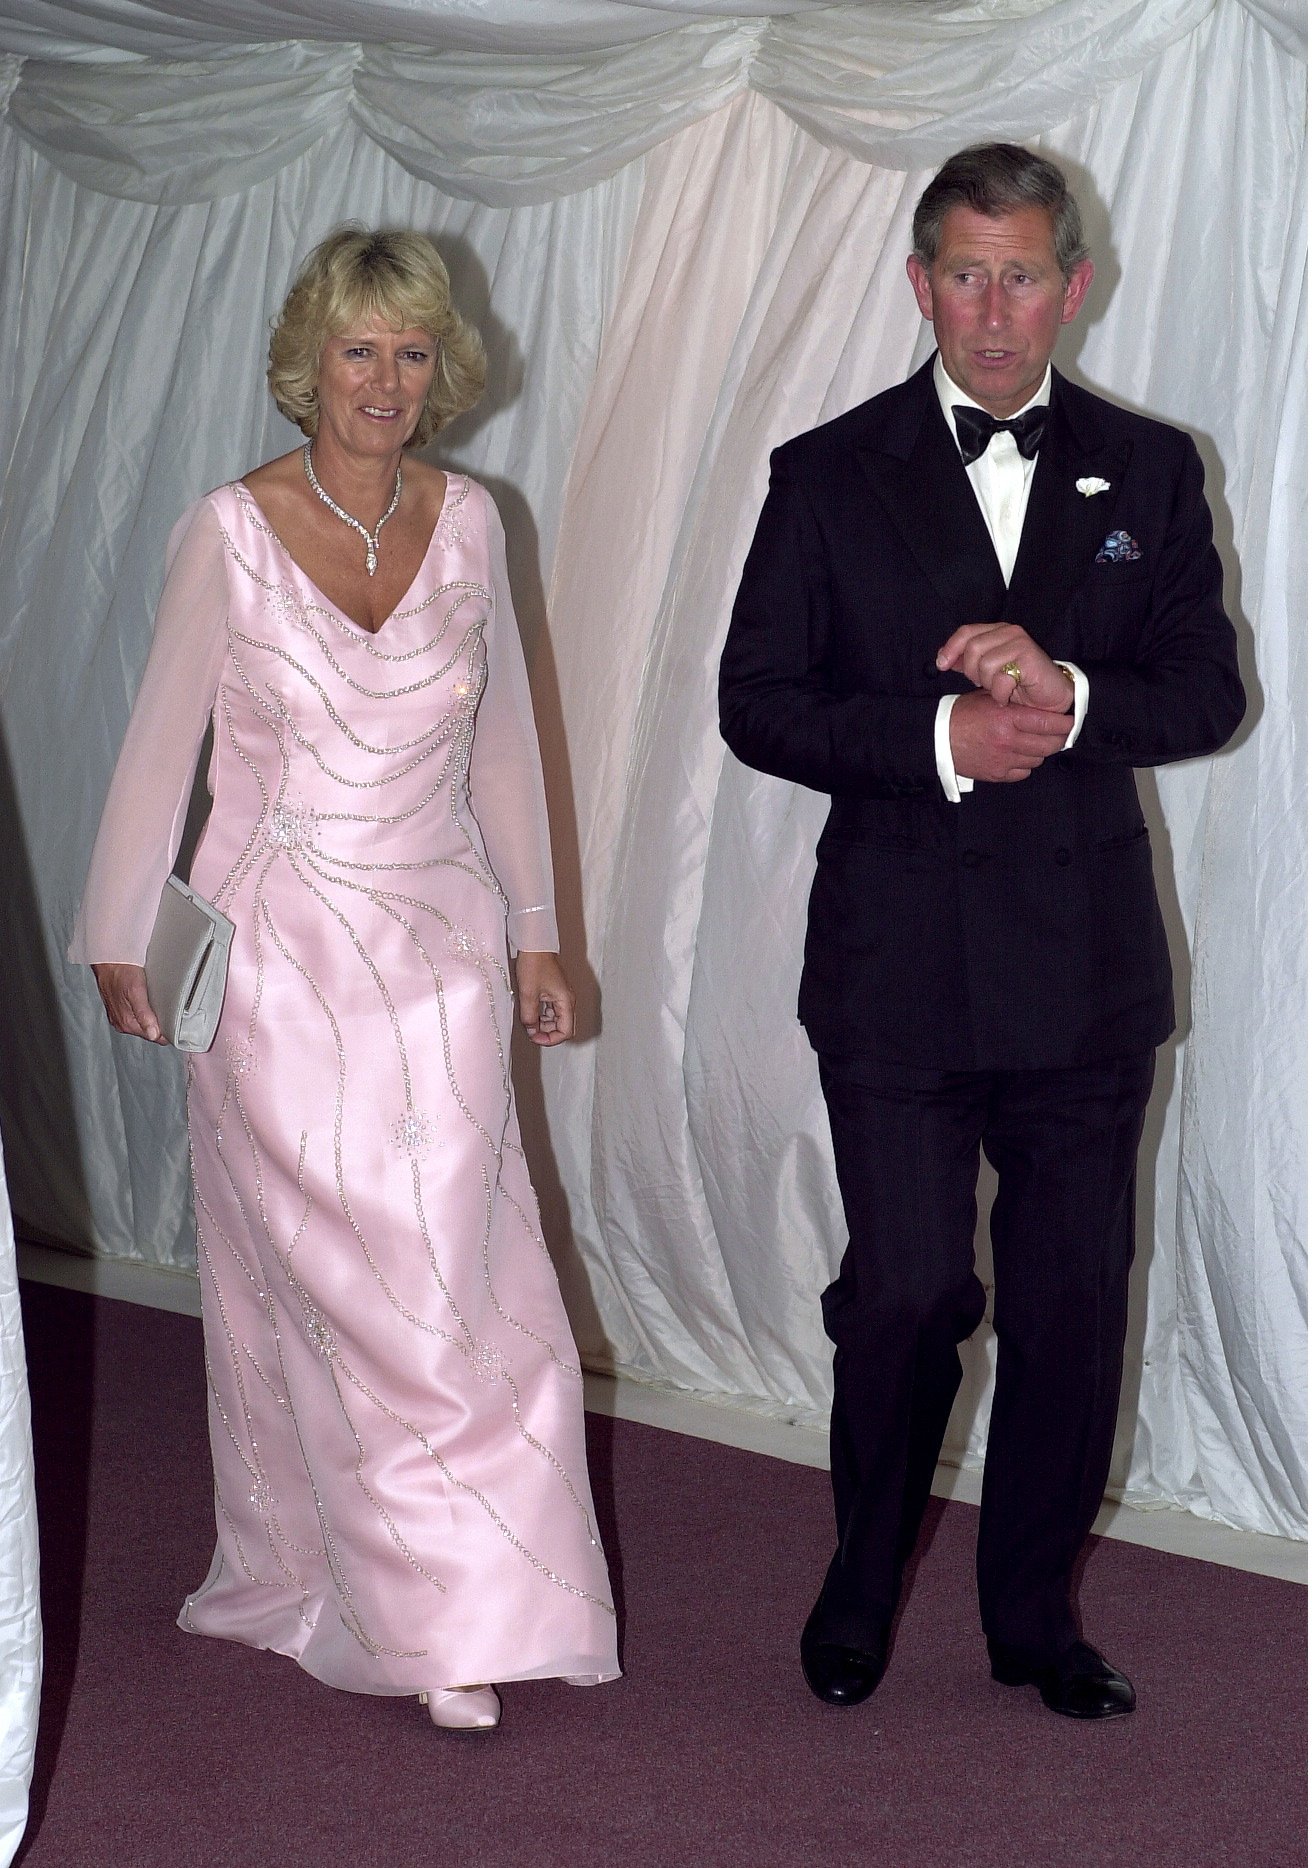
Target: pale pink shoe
463 1708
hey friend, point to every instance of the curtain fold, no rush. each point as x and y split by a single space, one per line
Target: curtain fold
904 86
503 130
187 130
1241 1217
1285 20
514 28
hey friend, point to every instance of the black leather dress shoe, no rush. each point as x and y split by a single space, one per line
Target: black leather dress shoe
840 1676
1080 1684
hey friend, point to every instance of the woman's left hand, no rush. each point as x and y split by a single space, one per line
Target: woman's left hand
546 1004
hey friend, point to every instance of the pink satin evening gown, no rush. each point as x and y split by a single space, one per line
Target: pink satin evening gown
395 1401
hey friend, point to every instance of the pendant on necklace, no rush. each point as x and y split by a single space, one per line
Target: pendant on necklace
347 518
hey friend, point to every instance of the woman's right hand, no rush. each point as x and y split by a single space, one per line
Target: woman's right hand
123 989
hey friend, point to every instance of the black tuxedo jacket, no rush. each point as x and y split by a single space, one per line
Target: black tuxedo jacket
1020 928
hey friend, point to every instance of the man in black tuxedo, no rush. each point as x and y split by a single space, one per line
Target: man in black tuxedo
972 606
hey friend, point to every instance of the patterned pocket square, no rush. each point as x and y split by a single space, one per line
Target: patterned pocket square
1118 548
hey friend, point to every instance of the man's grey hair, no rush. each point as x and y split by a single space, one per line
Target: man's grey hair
996 179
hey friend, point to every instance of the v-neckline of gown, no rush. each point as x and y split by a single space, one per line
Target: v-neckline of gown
370 635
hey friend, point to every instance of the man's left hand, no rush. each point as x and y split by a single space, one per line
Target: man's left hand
993 654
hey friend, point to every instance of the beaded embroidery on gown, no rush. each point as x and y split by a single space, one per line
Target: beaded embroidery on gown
401 1493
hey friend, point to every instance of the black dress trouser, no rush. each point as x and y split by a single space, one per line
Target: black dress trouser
906 1144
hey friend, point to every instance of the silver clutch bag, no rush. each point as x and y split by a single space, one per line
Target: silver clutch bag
187 966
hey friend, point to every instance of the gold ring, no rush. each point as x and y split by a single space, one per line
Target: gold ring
1013 669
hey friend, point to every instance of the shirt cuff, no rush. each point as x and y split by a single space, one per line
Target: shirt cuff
1080 682
954 785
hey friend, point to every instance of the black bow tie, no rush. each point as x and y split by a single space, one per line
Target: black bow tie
976 428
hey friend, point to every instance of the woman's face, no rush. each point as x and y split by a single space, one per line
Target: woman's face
373 382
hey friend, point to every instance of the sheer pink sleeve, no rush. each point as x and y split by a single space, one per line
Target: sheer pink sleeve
146 808
505 769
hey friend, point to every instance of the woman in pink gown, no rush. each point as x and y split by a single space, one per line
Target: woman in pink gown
401 1494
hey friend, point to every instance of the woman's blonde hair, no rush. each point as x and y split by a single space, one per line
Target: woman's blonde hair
354 276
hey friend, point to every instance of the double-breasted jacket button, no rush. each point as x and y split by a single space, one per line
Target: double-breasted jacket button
1061 856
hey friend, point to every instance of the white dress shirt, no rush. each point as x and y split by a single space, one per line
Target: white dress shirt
1001 480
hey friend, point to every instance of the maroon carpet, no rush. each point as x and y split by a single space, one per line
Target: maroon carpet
162 1750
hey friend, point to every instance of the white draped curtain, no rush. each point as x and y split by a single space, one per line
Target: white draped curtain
683 233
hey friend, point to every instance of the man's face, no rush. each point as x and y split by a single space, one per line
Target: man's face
997 299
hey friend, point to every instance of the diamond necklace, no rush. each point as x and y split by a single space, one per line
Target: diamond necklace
370 538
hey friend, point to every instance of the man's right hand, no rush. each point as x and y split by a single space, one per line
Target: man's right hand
123 989
1002 744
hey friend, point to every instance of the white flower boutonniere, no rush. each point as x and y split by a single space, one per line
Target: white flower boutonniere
1092 485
